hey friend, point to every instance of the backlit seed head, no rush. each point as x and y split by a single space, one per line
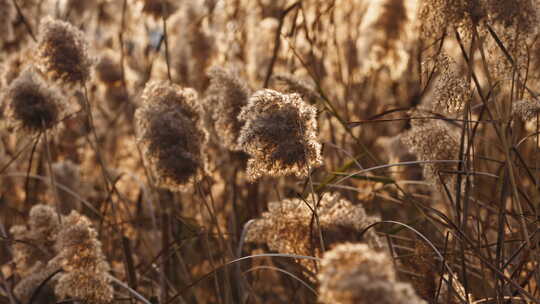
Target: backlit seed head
63 52
280 135
84 266
354 273
433 140
226 96
32 104
170 132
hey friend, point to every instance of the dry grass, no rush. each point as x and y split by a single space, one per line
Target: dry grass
258 151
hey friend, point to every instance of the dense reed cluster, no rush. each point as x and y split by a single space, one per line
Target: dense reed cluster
269 151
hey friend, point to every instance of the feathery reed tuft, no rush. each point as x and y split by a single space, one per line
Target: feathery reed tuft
280 135
169 128
434 140
226 96
63 52
85 269
33 105
35 243
289 226
526 110
451 92
354 273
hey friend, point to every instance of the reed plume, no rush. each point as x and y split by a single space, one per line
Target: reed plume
62 52
85 269
226 96
32 104
354 273
280 135
169 129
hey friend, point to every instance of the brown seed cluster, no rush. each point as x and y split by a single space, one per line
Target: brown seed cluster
526 110
226 96
290 226
356 274
452 91
32 104
433 140
280 135
85 268
35 243
170 132
63 52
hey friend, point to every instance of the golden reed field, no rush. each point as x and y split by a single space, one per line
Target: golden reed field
269 151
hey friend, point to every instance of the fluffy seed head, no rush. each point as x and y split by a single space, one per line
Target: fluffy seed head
227 94
280 135
63 52
33 105
452 92
526 110
433 140
37 239
289 227
355 273
80 256
170 133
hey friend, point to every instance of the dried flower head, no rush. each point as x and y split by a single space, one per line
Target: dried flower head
280 135
170 131
63 52
526 110
7 16
35 243
85 275
32 104
433 140
289 226
520 13
355 273
294 84
227 94
438 16
452 91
